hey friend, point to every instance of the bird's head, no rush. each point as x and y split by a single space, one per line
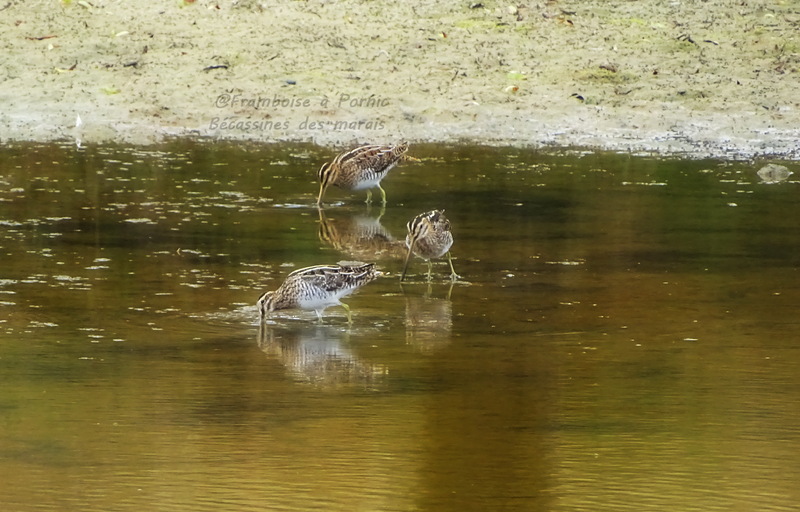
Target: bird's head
266 303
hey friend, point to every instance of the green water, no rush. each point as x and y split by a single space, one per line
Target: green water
624 335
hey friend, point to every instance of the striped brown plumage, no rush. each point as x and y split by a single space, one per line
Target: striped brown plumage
318 287
361 168
429 237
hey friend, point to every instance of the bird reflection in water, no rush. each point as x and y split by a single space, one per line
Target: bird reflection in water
318 355
429 319
359 237
774 173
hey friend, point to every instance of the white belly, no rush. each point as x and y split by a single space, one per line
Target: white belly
373 180
320 301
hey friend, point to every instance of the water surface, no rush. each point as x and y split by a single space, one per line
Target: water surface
623 335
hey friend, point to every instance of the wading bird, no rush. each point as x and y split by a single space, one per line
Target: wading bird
429 237
361 168
318 287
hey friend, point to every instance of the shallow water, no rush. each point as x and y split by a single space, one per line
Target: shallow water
623 335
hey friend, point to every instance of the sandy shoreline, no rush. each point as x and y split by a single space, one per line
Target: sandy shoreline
694 78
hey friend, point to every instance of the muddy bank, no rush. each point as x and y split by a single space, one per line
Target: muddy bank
696 78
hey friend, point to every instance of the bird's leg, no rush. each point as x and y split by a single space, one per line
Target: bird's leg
319 315
453 275
347 309
430 269
383 195
369 196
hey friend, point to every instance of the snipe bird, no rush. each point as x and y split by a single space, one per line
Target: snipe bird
429 237
361 168
317 288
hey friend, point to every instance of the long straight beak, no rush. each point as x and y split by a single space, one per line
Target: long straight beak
321 191
408 257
